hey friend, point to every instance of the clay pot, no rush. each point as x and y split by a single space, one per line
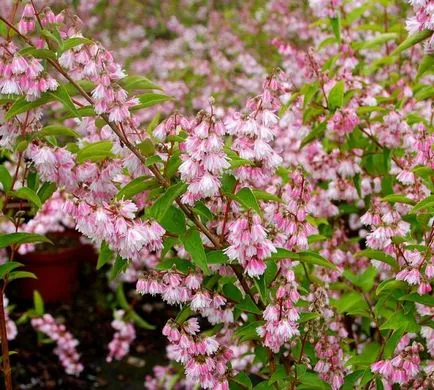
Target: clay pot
88 255
57 270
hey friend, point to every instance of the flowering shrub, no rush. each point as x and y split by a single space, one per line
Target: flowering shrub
292 230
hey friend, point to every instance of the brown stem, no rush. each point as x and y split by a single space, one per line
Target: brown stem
12 17
6 366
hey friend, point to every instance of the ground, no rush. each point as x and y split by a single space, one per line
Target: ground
37 367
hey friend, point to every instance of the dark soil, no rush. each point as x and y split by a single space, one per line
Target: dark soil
88 318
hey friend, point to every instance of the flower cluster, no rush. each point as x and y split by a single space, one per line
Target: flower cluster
254 132
249 244
289 219
411 273
281 315
292 227
176 288
404 366
204 160
117 225
123 337
330 364
205 360
22 74
424 18
93 62
342 123
66 344
386 222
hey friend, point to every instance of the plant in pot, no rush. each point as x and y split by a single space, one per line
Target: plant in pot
54 263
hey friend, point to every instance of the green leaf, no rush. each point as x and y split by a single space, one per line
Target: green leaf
242 379
424 203
172 165
120 265
427 300
8 267
174 221
194 246
378 40
262 195
146 148
306 316
5 178
397 198
21 275
231 291
33 181
426 92
38 53
21 238
248 200
426 65
104 256
424 172
315 258
54 37
73 42
121 298
278 375
387 286
217 257
335 22
153 160
137 82
47 189
136 186
38 303
399 320
352 303
316 238
413 40
61 94
22 105
365 280
182 265
248 305
336 96
317 132
249 331
184 314
228 184
282 253
311 381
150 99
96 151
203 211
57 131
379 255
162 204
392 343
262 386
27 194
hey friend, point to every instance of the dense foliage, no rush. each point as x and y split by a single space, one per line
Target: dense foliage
274 181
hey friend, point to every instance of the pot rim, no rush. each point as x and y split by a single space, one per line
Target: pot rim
58 256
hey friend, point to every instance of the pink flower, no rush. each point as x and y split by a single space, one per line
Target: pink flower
65 343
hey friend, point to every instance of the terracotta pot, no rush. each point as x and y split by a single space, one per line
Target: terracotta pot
88 255
57 271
